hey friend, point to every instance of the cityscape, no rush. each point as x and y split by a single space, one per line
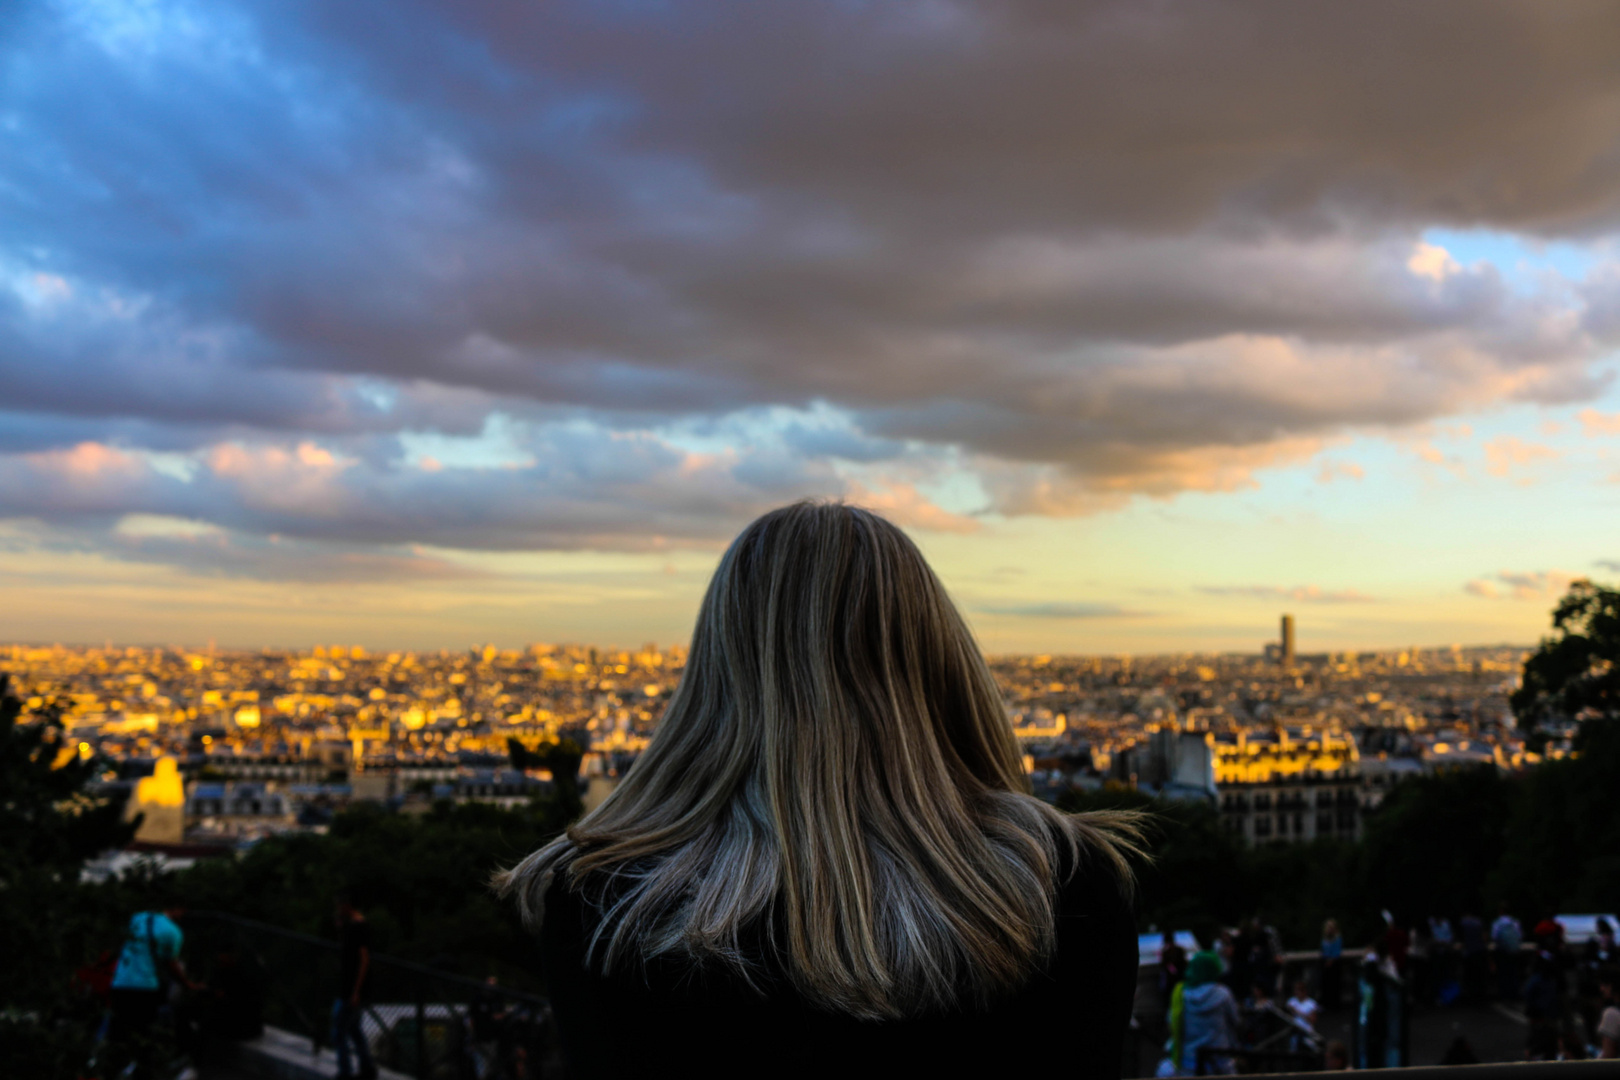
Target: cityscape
1289 747
1239 381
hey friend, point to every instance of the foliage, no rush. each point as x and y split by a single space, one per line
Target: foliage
1431 846
47 818
1576 674
49 923
1562 845
422 881
1199 876
561 757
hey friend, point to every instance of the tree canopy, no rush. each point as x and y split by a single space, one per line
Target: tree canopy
1574 675
48 818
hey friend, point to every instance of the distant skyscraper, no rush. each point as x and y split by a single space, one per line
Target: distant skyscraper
1286 656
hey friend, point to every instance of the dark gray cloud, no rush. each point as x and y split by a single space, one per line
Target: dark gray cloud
1090 249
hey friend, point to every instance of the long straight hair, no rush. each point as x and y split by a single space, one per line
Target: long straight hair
834 794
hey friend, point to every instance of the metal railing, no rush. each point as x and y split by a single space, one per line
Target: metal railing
1515 1070
416 1019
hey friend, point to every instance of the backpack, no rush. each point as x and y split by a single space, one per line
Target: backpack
95 979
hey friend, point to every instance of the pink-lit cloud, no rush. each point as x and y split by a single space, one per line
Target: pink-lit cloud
1537 585
1509 452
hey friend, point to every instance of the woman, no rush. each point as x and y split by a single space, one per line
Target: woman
827 857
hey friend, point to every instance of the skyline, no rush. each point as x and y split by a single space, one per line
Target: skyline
1147 324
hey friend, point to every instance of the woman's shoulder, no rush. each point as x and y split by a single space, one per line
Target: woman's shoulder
1089 884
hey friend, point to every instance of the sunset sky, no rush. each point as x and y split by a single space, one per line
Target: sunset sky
418 324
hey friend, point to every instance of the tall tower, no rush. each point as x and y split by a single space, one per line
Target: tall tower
1286 656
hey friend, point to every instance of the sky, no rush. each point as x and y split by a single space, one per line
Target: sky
424 323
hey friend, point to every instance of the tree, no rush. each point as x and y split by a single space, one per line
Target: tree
1575 675
1195 874
1430 848
48 818
49 924
561 757
1562 843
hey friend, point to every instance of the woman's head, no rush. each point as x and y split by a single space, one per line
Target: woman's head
834 788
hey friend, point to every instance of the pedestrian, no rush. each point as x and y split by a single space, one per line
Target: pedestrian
1239 973
1549 936
1302 1006
1203 1015
1336 1057
1332 963
1597 956
1172 963
1379 1006
1443 960
1475 957
147 966
149 970
354 965
1506 939
1608 1026
1542 1008
1397 943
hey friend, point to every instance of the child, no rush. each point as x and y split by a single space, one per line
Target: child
1302 1006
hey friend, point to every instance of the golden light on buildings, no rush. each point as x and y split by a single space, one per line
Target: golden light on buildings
163 788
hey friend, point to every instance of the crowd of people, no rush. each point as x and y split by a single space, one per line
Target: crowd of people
1566 995
1223 1007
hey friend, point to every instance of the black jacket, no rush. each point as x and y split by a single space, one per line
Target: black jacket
1069 1019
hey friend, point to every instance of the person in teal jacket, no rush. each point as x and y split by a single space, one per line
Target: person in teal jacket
1203 1013
149 960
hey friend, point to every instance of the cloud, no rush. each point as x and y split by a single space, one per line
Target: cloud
1308 594
906 506
1333 470
1061 610
1594 423
1504 454
1088 252
1432 261
1521 585
570 486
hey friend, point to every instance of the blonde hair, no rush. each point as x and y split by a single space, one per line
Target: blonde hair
834 791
